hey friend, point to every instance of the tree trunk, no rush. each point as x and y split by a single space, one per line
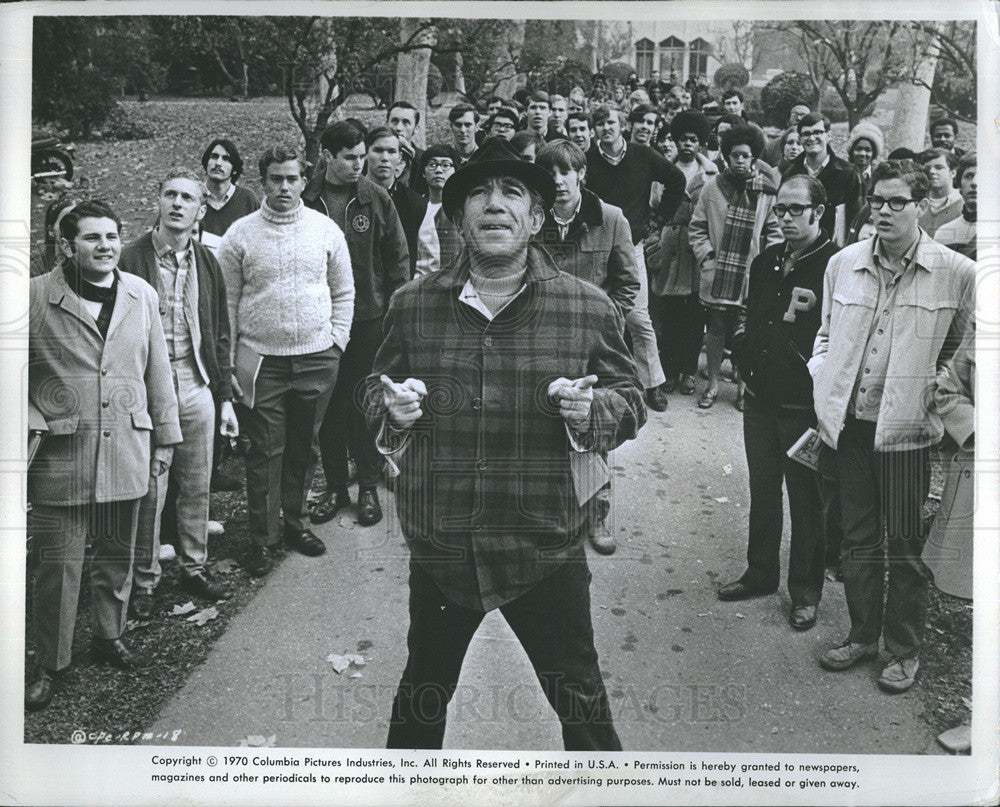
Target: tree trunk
458 76
509 53
411 73
909 123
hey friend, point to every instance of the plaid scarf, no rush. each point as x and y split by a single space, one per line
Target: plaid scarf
733 255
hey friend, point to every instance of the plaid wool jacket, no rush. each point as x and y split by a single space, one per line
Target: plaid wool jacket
485 495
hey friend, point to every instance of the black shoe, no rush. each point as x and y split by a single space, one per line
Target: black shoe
327 507
201 586
369 510
116 652
225 482
733 592
141 603
802 617
305 542
656 399
39 690
670 385
258 561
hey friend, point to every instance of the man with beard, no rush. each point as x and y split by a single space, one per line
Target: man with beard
226 201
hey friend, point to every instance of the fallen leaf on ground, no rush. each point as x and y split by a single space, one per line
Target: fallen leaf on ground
354 675
739 615
187 608
342 662
727 469
722 499
224 566
135 624
204 616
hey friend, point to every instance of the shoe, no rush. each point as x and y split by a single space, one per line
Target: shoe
707 398
369 510
802 617
116 652
141 603
305 542
656 399
258 561
327 507
687 385
200 585
670 385
740 402
225 482
734 592
601 539
899 674
847 655
39 690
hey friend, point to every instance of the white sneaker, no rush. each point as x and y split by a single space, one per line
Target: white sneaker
167 552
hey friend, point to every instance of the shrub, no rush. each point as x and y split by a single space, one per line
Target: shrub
783 92
731 75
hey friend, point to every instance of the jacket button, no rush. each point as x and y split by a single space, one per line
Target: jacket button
488 341
107 433
104 372
482 464
477 526
477 403
104 404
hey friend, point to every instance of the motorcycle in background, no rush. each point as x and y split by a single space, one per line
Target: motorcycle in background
51 159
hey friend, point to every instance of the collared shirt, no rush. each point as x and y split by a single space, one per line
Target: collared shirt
563 225
428 242
218 204
179 297
486 494
814 172
608 157
869 384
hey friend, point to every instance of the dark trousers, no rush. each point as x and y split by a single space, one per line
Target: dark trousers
882 489
290 396
680 330
767 435
344 425
552 622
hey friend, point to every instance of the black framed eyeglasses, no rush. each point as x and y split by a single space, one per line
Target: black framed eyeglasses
794 210
896 203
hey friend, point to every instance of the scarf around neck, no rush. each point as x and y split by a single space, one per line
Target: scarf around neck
93 293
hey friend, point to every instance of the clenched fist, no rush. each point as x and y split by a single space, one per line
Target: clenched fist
574 399
403 400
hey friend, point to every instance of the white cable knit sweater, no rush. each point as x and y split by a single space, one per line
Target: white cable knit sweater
288 282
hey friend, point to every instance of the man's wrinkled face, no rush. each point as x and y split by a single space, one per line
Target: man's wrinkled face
283 185
181 204
383 159
941 176
403 122
463 130
579 133
609 130
642 130
498 219
943 137
344 167
96 247
220 165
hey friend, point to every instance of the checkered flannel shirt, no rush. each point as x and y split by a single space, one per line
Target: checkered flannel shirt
485 495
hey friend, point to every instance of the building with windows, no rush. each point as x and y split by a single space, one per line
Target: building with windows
679 50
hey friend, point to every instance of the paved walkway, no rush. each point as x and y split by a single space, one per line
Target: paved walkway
684 671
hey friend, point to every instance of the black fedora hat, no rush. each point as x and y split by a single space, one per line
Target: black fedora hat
495 158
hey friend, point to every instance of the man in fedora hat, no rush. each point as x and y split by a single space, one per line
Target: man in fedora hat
499 383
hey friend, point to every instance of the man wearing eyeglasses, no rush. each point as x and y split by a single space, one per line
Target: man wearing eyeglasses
841 181
895 307
502 123
773 337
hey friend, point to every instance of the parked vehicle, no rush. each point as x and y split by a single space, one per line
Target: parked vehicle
51 159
